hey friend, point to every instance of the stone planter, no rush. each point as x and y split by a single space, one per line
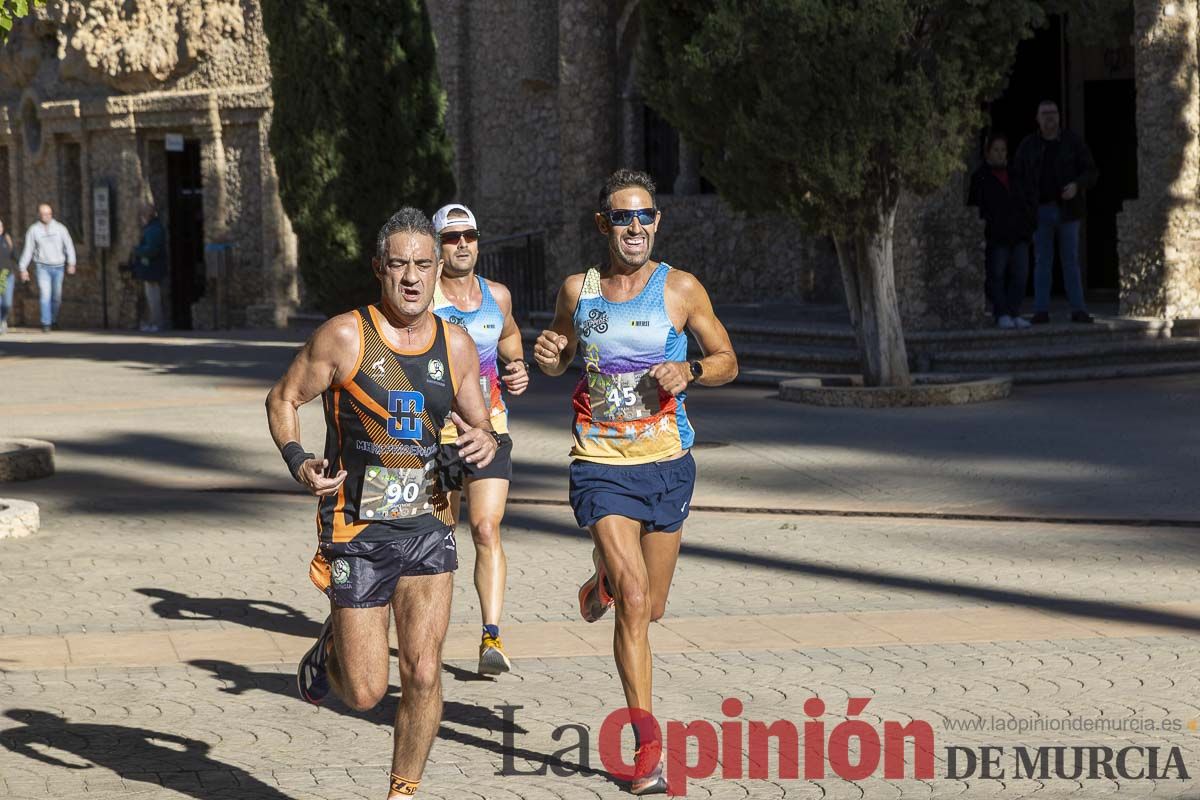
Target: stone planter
25 459
18 518
847 391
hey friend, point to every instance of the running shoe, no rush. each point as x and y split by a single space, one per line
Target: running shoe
594 597
312 679
492 660
648 777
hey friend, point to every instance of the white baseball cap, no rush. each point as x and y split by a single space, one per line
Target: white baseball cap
441 220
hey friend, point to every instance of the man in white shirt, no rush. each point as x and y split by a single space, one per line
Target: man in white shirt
48 245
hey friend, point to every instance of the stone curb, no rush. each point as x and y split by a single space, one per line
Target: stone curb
25 459
18 518
847 391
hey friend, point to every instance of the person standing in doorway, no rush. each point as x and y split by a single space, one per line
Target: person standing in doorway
7 278
1055 167
48 245
150 266
1009 225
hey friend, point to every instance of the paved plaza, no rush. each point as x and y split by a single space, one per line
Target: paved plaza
1018 574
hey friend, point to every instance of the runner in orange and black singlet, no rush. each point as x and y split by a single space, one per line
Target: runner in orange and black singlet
390 376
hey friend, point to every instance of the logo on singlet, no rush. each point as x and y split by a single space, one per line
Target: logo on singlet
405 409
597 321
639 323
435 369
459 321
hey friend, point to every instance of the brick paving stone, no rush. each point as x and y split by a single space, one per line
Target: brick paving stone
171 513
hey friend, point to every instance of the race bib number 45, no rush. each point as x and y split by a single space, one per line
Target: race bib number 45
623 397
389 494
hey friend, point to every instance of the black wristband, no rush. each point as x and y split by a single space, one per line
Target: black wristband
294 456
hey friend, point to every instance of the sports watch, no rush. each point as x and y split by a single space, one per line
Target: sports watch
697 369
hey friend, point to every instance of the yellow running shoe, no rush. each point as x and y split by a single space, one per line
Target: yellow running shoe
492 660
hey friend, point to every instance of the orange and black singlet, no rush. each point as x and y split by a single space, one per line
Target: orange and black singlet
383 423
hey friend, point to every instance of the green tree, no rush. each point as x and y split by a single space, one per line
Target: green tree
825 110
11 11
357 132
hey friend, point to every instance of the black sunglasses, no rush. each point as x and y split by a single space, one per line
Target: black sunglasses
624 216
452 237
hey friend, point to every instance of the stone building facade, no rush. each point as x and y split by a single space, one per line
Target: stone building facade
165 101
170 99
543 103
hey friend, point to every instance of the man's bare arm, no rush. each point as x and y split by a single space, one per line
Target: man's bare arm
688 306
555 348
720 362
316 367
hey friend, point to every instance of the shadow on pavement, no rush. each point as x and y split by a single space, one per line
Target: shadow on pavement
136 754
267 615
256 360
239 680
1094 609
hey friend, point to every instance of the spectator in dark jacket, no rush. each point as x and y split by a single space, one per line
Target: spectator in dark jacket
150 266
1054 167
1010 223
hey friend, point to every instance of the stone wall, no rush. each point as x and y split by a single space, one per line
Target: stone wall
114 78
939 251
1159 233
742 258
502 111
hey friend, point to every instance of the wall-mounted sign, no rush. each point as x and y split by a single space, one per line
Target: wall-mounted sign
174 142
101 217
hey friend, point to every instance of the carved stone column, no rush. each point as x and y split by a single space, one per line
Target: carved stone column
587 130
1159 232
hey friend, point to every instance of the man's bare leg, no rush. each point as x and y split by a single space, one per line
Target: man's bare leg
618 539
660 550
486 498
421 605
358 662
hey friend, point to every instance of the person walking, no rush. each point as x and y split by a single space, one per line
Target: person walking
48 245
8 278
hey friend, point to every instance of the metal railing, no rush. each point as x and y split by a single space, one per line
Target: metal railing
519 262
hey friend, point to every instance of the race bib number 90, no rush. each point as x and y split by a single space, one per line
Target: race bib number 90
389 494
624 397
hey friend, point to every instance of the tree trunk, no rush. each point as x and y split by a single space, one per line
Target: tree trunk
869 277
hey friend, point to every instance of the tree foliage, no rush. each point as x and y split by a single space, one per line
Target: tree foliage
818 108
357 131
11 11
825 110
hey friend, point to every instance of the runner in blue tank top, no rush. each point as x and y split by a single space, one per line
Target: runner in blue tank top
633 474
483 308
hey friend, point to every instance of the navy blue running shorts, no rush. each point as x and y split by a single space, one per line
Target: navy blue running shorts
364 574
659 494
